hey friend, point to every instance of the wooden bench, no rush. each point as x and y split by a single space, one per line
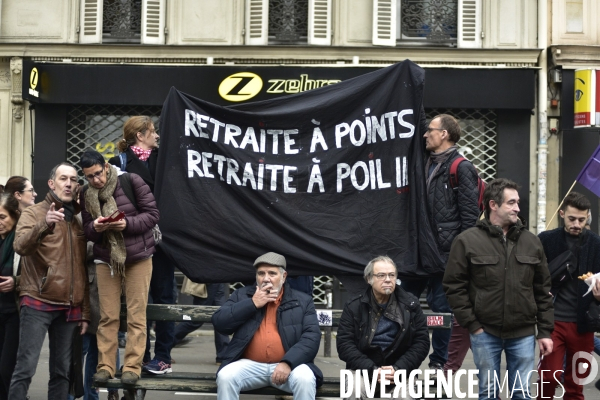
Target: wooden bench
206 383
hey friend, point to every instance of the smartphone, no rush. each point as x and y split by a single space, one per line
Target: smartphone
114 217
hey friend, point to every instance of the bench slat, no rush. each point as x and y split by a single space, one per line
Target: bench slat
208 386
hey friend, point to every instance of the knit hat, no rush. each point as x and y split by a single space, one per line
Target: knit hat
272 259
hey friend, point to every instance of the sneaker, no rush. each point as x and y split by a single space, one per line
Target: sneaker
435 365
129 378
102 376
157 367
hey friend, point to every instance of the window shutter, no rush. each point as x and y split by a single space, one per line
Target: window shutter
319 22
153 22
257 22
469 24
90 21
384 22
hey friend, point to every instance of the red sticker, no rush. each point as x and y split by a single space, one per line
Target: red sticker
435 320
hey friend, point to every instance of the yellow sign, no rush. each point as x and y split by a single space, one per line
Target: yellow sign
33 78
241 86
585 96
33 81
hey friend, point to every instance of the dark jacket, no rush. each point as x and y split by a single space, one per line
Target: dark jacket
139 240
407 352
498 283
145 169
296 322
588 260
453 210
52 260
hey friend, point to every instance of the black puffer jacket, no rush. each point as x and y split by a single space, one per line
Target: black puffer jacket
297 325
453 210
588 260
407 352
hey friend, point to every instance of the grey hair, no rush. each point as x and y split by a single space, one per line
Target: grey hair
368 274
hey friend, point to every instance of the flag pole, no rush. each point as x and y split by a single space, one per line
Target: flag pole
560 205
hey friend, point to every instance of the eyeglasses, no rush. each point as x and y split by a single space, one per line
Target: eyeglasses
94 176
381 277
28 190
434 129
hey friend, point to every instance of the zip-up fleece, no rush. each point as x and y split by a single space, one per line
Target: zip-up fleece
53 261
500 283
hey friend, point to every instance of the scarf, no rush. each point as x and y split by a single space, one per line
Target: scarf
68 208
93 198
438 159
142 154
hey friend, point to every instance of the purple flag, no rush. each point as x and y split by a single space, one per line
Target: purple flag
590 174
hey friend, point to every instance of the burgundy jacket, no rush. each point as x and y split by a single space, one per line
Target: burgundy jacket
138 237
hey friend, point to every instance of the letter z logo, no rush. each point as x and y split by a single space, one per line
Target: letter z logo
241 86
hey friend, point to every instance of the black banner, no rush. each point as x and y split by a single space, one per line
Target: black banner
329 178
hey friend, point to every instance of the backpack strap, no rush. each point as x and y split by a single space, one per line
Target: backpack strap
125 181
454 172
123 159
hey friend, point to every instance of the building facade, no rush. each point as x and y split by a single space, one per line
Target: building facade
71 71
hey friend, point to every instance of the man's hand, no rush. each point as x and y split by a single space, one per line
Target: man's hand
546 346
388 372
84 326
478 331
53 216
281 373
7 284
118 225
264 295
100 226
596 290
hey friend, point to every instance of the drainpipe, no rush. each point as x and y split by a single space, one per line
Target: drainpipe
542 147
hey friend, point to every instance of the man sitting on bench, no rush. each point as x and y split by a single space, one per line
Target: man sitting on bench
384 329
276 336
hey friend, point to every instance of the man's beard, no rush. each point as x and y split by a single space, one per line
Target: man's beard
387 291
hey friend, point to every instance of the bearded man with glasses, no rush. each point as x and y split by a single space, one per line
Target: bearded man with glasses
384 329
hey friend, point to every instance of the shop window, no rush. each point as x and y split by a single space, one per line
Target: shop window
100 128
455 23
288 22
122 21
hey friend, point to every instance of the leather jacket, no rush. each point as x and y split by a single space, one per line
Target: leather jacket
52 260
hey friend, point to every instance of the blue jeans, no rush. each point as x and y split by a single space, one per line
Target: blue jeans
246 374
34 325
596 345
161 292
520 357
215 297
436 298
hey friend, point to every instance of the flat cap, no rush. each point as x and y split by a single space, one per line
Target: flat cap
272 259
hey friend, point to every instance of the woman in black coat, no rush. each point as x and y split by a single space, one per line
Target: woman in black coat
9 314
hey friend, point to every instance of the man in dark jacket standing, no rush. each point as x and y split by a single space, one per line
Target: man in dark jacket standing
54 296
276 336
498 285
122 252
452 211
384 329
571 332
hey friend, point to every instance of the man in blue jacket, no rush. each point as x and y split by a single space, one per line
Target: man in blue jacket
276 336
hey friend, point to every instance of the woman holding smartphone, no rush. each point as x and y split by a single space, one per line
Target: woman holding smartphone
9 275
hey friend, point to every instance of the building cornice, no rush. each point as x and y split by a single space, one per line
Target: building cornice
273 55
575 56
